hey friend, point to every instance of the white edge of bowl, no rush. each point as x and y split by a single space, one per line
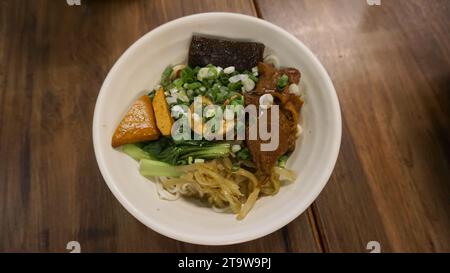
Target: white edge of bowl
270 227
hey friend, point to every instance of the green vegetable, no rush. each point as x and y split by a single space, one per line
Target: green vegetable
223 78
183 96
193 85
211 83
135 152
243 154
178 83
282 161
149 167
282 82
165 77
178 152
195 70
212 71
157 146
239 100
188 75
218 93
214 151
235 86
251 76
208 73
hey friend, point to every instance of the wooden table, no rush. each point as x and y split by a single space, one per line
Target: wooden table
391 68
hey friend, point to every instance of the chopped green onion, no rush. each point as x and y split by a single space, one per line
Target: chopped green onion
253 77
196 69
243 154
207 73
282 161
282 82
235 86
193 85
165 77
178 83
187 75
212 72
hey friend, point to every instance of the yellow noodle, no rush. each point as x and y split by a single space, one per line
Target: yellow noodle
251 200
215 182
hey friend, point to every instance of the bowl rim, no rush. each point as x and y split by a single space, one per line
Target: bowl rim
285 218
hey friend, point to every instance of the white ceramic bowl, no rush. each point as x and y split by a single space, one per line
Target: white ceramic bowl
140 67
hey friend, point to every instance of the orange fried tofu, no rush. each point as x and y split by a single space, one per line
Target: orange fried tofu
137 125
164 120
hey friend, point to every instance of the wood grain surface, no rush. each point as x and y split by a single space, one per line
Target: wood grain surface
391 68
390 65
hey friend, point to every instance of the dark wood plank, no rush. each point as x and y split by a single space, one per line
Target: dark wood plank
53 60
391 67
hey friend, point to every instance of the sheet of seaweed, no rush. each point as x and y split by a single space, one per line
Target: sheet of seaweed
243 55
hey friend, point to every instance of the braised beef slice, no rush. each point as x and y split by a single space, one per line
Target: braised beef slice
223 52
292 73
290 105
266 160
269 77
251 99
